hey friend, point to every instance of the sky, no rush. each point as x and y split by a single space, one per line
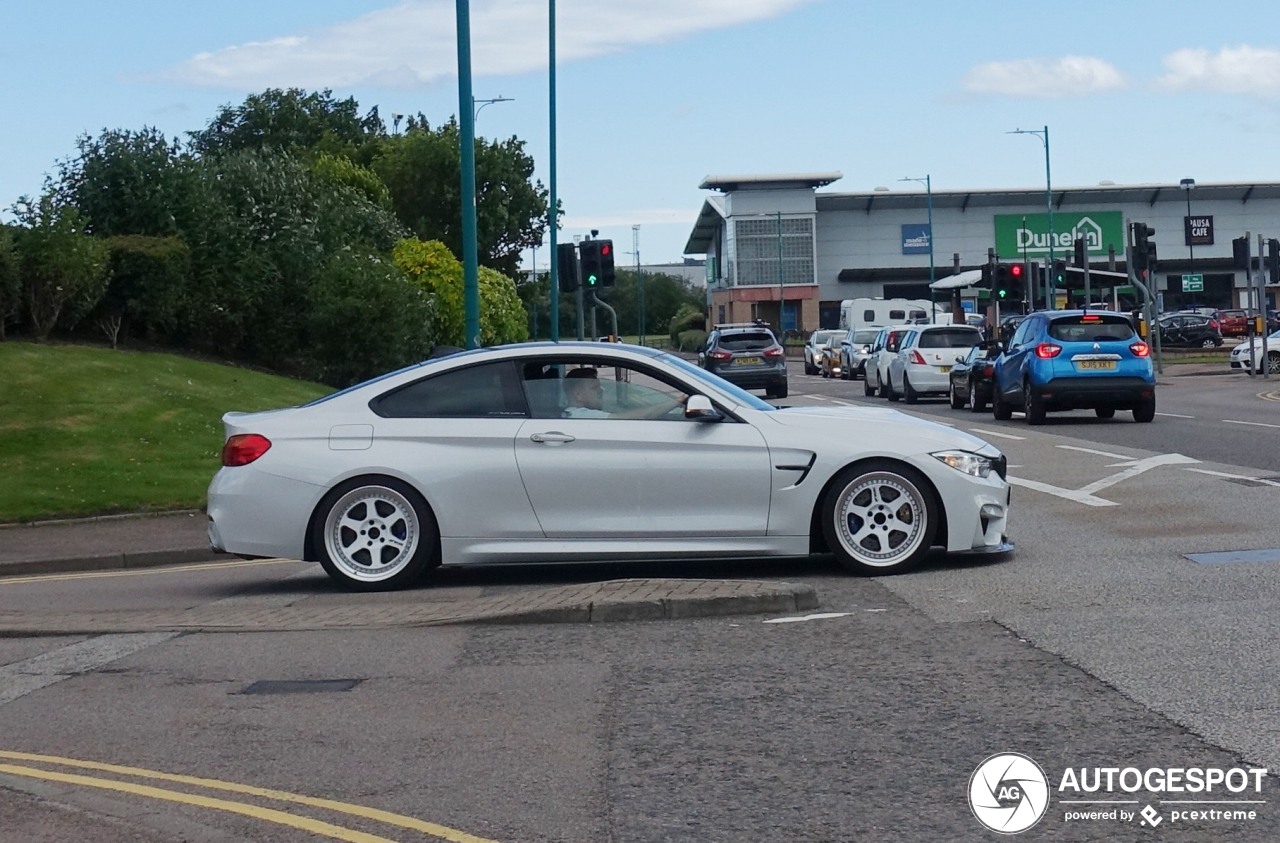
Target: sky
653 96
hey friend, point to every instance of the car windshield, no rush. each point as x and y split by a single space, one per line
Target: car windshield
950 338
697 373
865 337
823 337
1090 328
756 341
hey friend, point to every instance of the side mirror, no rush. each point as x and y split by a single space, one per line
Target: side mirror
699 408
959 359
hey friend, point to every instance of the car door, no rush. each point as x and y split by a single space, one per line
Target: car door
667 478
1013 361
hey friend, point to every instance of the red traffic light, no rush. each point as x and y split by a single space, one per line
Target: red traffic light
606 247
1016 270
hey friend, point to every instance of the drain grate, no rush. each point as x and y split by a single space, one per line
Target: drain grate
1225 557
301 686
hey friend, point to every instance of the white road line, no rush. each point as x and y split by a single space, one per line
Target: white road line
21 678
1254 424
821 616
1175 415
1224 474
1069 494
844 403
1092 451
1135 468
996 433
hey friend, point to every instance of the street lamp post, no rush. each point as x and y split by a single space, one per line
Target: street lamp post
635 245
1187 185
478 105
1043 134
928 189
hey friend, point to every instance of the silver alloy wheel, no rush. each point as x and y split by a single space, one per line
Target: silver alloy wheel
371 533
881 518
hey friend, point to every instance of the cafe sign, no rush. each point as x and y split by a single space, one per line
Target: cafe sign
1028 234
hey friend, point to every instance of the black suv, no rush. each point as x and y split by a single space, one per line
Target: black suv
748 356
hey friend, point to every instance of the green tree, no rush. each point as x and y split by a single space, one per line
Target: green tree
10 287
126 182
147 287
292 120
63 269
421 168
664 295
438 273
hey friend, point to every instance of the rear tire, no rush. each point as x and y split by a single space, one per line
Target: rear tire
1032 404
888 391
867 389
957 400
1145 412
908 394
1104 412
880 517
375 534
976 404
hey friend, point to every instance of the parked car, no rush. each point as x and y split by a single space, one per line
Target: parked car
816 340
884 349
1189 330
747 355
855 350
924 360
1240 355
829 358
379 483
1008 324
1074 359
970 377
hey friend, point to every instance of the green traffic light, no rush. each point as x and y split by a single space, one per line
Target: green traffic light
591 280
1002 293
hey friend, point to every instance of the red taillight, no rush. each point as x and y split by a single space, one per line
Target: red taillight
1045 350
1140 349
720 355
916 359
244 448
774 353
1213 323
988 371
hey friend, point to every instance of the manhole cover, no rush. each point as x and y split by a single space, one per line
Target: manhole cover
1224 557
300 686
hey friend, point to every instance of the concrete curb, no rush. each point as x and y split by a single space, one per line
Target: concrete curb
110 562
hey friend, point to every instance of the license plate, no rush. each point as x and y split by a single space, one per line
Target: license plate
747 361
944 369
1105 365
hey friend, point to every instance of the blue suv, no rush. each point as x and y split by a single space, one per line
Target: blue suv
1074 360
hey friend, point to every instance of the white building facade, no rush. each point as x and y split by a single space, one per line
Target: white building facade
777 238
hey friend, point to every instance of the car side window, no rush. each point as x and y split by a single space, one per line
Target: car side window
614 392
1020 335
489 390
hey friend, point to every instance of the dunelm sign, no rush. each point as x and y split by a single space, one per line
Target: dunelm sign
1018 234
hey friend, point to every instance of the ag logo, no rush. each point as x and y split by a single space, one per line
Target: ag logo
1008 793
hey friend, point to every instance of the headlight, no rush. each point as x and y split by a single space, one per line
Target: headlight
974 464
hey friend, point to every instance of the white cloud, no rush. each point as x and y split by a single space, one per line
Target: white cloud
414 44
1235 70
1065 76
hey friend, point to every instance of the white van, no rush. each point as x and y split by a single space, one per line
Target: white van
873 313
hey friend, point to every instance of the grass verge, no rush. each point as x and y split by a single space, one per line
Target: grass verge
90 431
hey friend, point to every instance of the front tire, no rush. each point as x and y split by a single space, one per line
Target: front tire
957 400
880 517
1104 412
375 534
908 394
976 404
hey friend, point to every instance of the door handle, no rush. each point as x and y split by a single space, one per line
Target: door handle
554 437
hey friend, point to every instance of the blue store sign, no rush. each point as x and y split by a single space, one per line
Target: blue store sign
915 239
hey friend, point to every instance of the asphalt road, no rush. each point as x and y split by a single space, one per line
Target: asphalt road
1102 643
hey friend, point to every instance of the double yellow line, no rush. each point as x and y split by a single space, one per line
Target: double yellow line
247 809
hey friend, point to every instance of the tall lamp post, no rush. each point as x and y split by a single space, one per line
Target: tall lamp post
635 245
1187 185
1043 134
928 189
479 105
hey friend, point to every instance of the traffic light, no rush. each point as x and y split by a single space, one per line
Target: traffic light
589 252
1240 253
1008 281
607 276
567 267
987 277
1082 254
1144 251
1273 261
1059 273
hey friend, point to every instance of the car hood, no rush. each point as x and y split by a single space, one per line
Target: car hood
930 435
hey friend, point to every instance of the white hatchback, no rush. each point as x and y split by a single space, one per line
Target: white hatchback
925 356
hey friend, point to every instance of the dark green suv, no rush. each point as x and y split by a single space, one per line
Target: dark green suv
748 356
